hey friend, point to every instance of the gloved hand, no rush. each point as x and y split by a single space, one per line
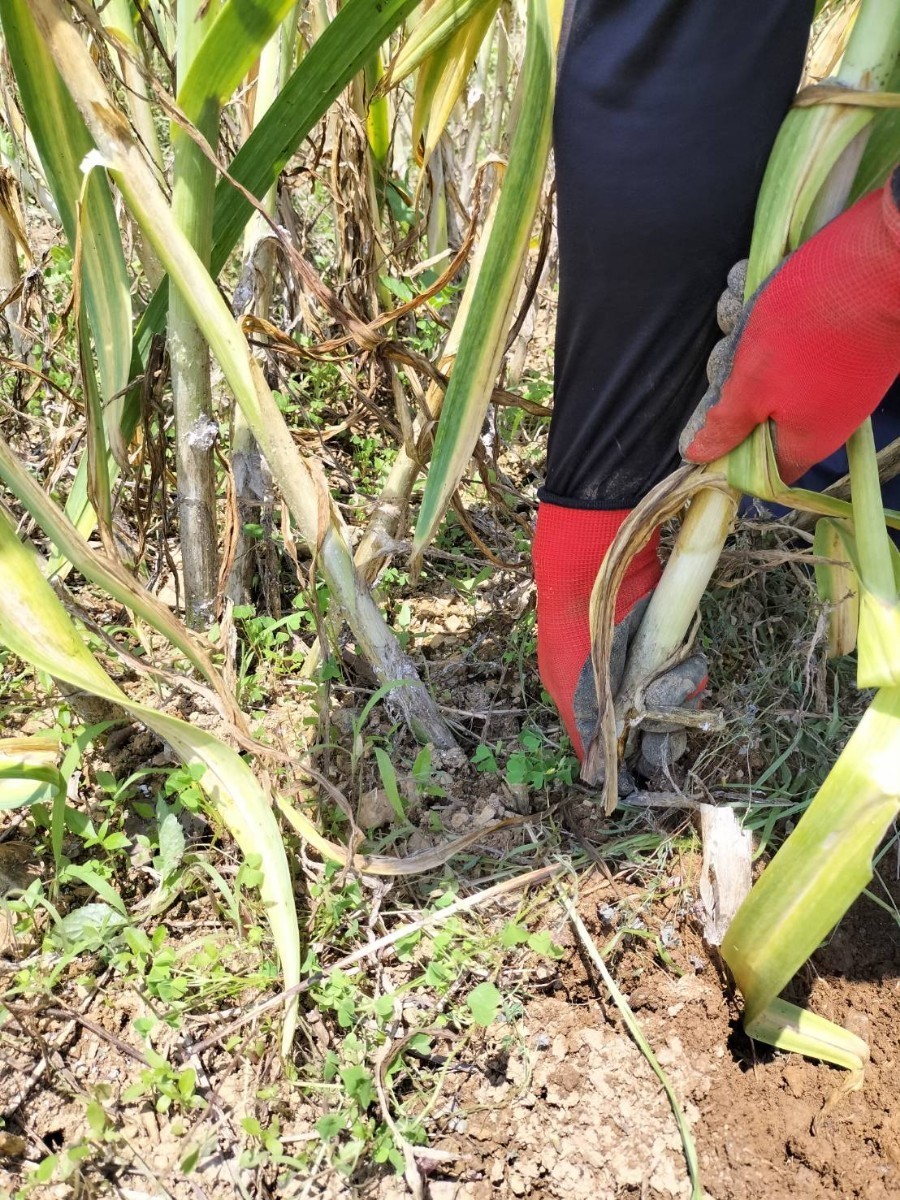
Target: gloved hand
569 546
816 347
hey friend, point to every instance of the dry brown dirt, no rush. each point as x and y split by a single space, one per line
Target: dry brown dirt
569 1108
559 1103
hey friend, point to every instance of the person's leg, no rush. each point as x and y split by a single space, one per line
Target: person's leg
666 112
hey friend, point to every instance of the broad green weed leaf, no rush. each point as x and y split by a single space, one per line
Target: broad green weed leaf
542 943
389 781
330 1125
90 926
513 935
171 841
484 1003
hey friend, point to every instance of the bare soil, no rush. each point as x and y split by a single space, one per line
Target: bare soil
559 1103
571 1109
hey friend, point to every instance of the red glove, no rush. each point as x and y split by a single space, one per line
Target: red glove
569 545
816 347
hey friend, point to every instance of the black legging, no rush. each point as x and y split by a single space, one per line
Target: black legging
666 111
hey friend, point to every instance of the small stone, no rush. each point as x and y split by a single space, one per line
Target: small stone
498 1171
418 841
595 1039
793 1080
517 1184
460 820
643 996
859 1023
454 758
669 937
374 809
11 1145
444 1189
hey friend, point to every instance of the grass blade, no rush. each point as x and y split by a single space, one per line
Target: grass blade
687 1140
28 771
878 654
489 317
432 31
119 20
837 585
753 468
63 141
811 142
343 50
443 76
882 149
228 51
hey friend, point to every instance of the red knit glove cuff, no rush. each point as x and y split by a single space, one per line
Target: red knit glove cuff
569 546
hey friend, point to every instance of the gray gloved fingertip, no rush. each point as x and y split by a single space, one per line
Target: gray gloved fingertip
737 277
